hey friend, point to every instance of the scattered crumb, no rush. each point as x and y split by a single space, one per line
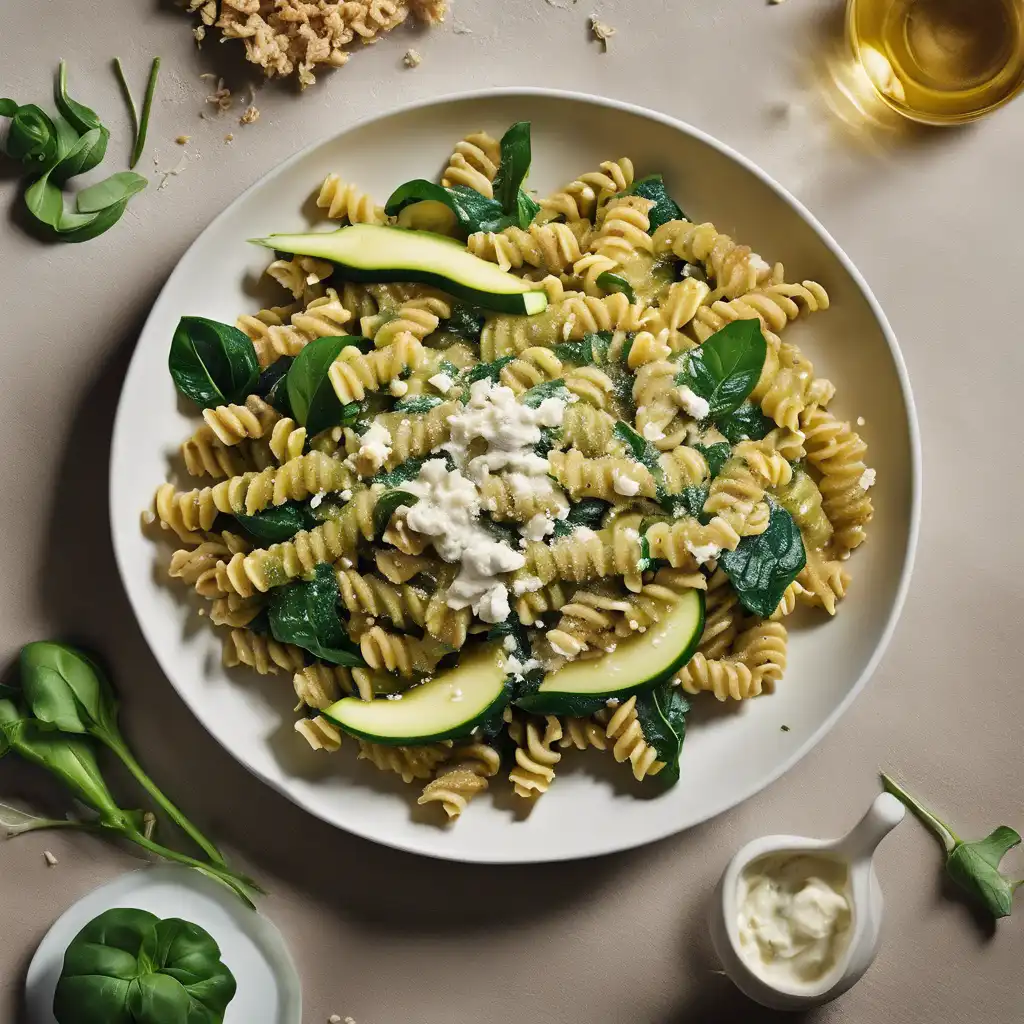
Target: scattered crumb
461 30
774 2
334 1019
49 858
172 173
221 97
784 728
230 137
601 32
861 421
249 115
348 1020
200 34
562 5
412 59
183 140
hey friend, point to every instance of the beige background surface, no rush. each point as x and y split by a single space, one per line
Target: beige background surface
935 222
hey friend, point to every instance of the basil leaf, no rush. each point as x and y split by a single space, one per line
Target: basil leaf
665 207
975 867
662 716
716 455
8 107
526 209
408 470
115 189
32 135
272 385
417 403
92 224
644 452
513 168
465 322
539 393
587 512
591 348
745 423
762 567
305 613
312 397
473 211
45 201
725 369
212 363
614 283
78 115
385 508
277 524
84 156
513 627
484 371
688 502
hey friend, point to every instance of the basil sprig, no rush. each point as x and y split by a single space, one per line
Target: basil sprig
762 567
212 363
510 207
591 348
726 368
311 395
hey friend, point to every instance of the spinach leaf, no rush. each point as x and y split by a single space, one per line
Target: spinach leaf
615 283
305 613
665 207
503 532
586 512
549 438
272 385
644 452
746 422
473 212
484 371
513 627
408 470
526 209
386 506
212 363
539 393
465 322
117 188
974 866
726 367
310 393
277 524
513 169
128 966
688 502
662 716
84 121
716 455
417 403
762 567
591 348
645 561
32 136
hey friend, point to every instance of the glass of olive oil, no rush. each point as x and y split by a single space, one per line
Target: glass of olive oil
940 61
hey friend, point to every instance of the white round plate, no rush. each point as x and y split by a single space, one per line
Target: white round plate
582 815
252 948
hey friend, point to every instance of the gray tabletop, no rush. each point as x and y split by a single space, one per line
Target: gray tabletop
933 219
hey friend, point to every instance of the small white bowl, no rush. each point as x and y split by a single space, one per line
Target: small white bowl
855 850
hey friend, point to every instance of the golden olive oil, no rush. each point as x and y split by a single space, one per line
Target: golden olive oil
940 61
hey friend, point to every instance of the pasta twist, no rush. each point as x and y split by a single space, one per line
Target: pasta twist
353 374
762 648
511 335
410 763
232 424
418 317
415 436
204 454
648 348
624 229
272 337
234 614
532 604
533 366
736 497
553 248
725 679
474 163
677 307
301 275
263 653
682 467
404 606
189 564
787 603
535 755
824 582
403 655
580 199
604 477
471 765
722 613
592 385
586 314
623 729
582 733
287 440
674 542
319 733
766 463
584 555
319 685
837 452
590 430
344 201
506 499
590 267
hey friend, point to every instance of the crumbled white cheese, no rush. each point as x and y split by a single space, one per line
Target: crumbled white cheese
652 432
759 264
51 861
527 585
861 421
393 696
441 381
867 479
612 702
691 403
493 606
314 502
374 449
538 527
570 322
398 388
624 484
345 495
509 643
703 552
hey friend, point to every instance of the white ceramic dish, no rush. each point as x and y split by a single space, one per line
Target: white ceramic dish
268 991
581 815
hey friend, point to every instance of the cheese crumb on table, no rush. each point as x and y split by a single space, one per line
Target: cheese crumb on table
249 115
49 858
412 59
601 32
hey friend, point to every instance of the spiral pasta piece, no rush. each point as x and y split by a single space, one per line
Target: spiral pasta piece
319 733
724 678
802 499
535 755
676 308
675 542
505 497
354 374
232 424
415 436
301 275
624 229
234 614
553 248
580 199
762 648
590 267
287 440
584 555
410 763
787 603
189 564
648 348
768 465
204 454
403 655
590 430
510 335
583 733
623 729
319 685
736 497
682 467
531 367
474 163
824 582
272 337
530 605
586 314
471 764
604 477
722 615
346 202
262 653
418 317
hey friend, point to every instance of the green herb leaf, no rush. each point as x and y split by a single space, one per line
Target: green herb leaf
484 371
662 716
762 567
115 189
512 171
147 109
8 107
272 385
716 456
212 363
416 404
86 154
591 348
643 451
665 207
82 227
688 502
305 613
277 524
78 115
614 283
526 209
409 470
533 397
745 423
473 211
310 393
465 322
386 506
725 369
587 512
32 136
645 562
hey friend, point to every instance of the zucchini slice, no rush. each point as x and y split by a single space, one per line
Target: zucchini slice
373 252
637 663
447 707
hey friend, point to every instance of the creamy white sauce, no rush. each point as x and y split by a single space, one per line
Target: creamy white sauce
794 917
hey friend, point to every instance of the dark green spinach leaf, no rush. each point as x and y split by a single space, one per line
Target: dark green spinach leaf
725 369
762 567
272 385
484 371
715 455
416 404
665 207
408 470
305 613
118 188
615 283
513 169
539 393
466 322
591 348
586 512
277 524
386 506
473 212
662 716
311 395
212 363
644 452
746 422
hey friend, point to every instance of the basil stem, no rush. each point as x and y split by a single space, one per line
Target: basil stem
129 99
147 109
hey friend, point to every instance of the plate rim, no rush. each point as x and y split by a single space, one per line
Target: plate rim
611 842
